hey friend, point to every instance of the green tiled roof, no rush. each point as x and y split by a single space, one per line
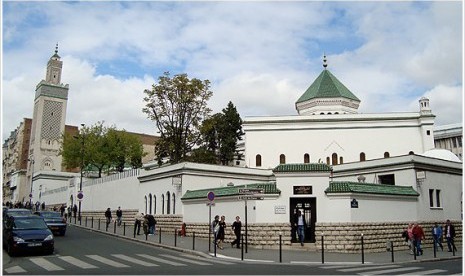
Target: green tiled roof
303 167
370 188
327 86
268 187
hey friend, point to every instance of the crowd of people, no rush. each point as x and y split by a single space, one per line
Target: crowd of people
218 227
414 235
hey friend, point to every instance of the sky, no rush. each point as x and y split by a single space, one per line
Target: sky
261 56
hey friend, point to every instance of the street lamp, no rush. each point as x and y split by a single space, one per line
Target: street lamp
31 160
82 167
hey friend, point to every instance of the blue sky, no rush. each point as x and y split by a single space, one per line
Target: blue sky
260 55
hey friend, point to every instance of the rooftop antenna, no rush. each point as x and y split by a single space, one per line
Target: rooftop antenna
56 48
324 61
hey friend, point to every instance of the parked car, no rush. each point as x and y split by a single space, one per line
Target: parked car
24 234
54 221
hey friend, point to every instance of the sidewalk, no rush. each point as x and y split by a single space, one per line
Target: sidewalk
200 246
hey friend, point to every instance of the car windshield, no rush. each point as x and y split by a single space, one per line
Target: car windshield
50 214
18 212
28 223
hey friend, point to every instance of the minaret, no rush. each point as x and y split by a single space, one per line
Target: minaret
48 121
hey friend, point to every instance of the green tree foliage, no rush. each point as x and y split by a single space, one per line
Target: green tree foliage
102 148
177 105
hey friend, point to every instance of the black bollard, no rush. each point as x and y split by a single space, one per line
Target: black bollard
322 249
242 246
392 251
114 228
280 249
214 250
193 240
363 253
124 228
92 222
434 248
135 228
99 224
175 236
414 250
86 222
159 237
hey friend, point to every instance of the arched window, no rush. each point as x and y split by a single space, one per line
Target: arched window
154 204
327 161
145 198
341 160
386 155
282 159
306 158
174 203
167 203
162 204
150 203
258 160
362 156
334 158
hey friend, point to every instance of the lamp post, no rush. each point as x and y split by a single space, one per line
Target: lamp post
82 167
31 160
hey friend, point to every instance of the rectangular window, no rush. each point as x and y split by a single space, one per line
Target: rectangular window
454 142
431 197
460 141
386 179
438 198
428 132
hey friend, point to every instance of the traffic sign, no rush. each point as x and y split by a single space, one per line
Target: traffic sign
211 196
249 197
250 191
80 195
30 195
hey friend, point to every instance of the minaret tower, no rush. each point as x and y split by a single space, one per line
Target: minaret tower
48 121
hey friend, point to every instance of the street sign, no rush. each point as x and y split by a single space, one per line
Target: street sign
80 195
249 197
30 195
211 196
210 203
250 191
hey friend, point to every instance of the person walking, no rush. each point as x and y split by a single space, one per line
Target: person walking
236 227
221 232
437 235
410 239
75 209
62 210
138 221
450 235
108 216
300 224
215 229
145 225
418 235
119 216
151 224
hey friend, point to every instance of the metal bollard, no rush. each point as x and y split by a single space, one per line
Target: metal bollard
363 253
175 236
322 248
124 228
414 250
434 248
215 246
159 237
193 240
114 228
242 246
280 249
392 251
92 222
98 223
86 222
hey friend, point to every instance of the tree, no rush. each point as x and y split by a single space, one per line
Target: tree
178 106
101 148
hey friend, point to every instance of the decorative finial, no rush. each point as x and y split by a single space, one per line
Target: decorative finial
56 48
324 62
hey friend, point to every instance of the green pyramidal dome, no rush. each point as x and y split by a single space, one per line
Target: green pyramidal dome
327 86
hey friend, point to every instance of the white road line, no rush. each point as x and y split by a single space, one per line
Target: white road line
74 261
46 264
427 272
106 261
133 260
207 260
185 260
391 271
367 268
237 259
160 260
14 269
330 266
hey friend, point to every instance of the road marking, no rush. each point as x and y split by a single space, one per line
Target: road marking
185 260
391 270
15 269
366 268
207 260
106 261
433 271
237 259
133 260
160 260
46 264
74 261
330 266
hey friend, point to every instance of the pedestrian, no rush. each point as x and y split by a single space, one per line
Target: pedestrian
215 228
145 225
299 222
75 210
418 235
62 209
437 235
450 235
108 216
221 232
138 221
236 227
151 224
410 239
69 211
119 215
42 206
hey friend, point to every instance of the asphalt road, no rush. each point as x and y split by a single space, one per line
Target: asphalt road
82 252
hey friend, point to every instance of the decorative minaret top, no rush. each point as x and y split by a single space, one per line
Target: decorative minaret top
424 106
324 62
54 67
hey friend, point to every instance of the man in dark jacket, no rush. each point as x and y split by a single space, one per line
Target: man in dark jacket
450 234
151 224
236 227
108 216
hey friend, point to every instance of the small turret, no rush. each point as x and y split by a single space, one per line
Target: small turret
424 106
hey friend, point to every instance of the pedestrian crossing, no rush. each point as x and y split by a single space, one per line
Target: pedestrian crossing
382 269
94 262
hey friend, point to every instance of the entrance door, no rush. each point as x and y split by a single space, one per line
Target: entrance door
308 208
